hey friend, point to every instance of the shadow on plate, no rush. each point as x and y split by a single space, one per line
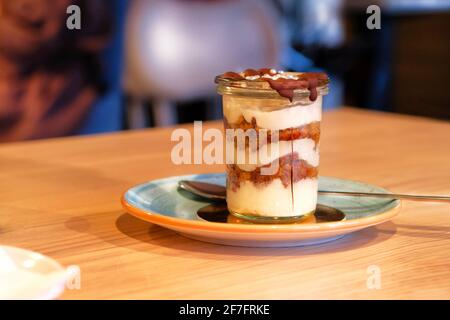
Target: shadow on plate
218 213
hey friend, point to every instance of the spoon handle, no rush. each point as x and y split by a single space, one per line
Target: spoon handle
413 197
218 193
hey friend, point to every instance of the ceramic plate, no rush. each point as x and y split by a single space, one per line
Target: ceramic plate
26 275
162 203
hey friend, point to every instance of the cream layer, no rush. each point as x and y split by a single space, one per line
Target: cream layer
272 118
273 199
248 160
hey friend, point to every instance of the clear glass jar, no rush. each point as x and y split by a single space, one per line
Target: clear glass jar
273 177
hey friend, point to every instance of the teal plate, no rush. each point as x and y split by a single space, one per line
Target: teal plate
162 203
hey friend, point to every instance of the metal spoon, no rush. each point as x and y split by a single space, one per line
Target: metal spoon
217 192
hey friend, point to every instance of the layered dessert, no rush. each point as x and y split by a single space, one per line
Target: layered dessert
273 171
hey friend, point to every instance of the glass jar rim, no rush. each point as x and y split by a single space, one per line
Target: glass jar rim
261 88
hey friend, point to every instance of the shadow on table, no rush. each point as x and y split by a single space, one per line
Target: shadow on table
155 235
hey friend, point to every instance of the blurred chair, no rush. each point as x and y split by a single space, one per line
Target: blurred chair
175 48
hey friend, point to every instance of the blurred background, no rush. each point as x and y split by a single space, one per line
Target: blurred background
147 63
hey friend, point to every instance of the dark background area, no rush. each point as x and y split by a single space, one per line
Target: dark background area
402 68
159 58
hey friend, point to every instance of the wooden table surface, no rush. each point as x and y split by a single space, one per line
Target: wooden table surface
61 197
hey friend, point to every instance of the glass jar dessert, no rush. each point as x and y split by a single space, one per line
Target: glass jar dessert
272 123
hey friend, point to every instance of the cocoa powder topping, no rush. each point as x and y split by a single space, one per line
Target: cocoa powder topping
284 83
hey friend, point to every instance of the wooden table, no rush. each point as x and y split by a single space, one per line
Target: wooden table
61 197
